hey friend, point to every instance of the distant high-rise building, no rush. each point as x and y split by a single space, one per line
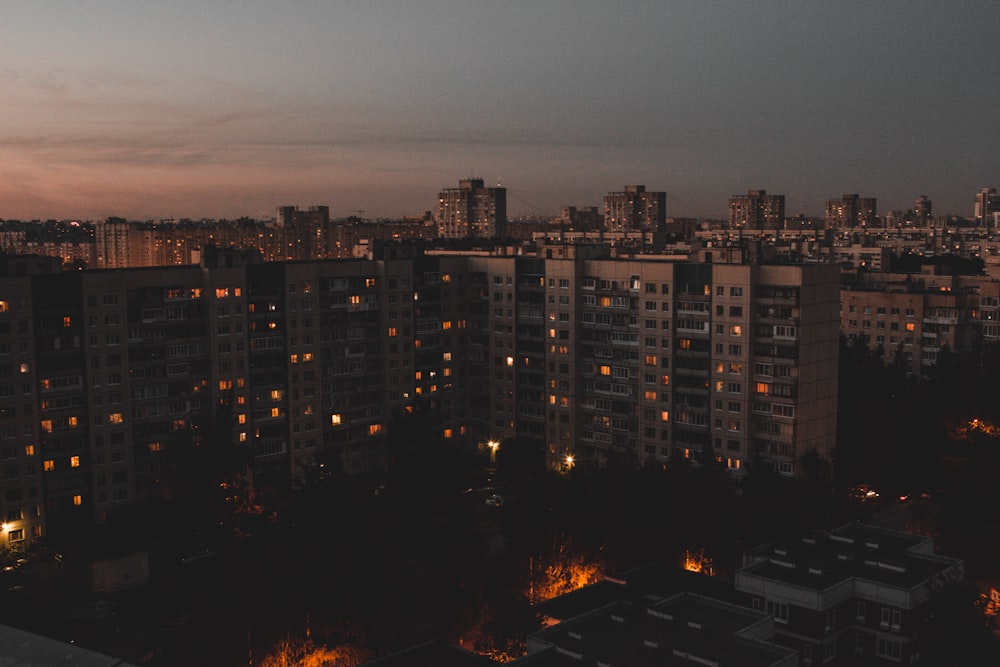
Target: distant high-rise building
756 210
635 209
471 211
850 211
987 207
922 208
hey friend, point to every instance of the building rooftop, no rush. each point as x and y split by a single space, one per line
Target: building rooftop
26 649
822 560
685 629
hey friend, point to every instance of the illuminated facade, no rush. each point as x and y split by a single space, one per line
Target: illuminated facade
635 209
850 211
564 348
757 210
471 211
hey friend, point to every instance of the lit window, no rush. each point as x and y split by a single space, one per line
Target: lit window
910 326
24 368
48 465
275 412
650 395
336 420
67 321
393 332
241 419
665 416
77 500
115 418
294 359
664 379
47 425
373 429
605 370
29 450
72 422
447 433
155 447
277 394
74 462
510 361
446 325
243 436
4 306
221 292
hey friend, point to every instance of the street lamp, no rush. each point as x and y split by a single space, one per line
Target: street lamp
569 461
494 446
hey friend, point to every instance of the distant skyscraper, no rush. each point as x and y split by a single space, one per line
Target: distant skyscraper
922 208
987 207
850 211
635 209
471 211
757 210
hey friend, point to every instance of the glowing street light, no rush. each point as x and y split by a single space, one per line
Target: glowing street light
569 461
494 446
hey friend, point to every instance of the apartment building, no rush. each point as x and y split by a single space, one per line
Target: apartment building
567 348
757 210
471 210
918 316
635 209
850 211
855 594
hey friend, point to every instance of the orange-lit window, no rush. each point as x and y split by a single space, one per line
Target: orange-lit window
604 370
355 299
763 388
552 333
225 385
275 412
74 462
446 325
77 500
277 394
222 293
155 447
510 361
72 422
684 343
373 429
393 332
650 395
910 326
47 425
369 282
294 358
48 465
243 436
419 375
447 433
416 342
307 356
664 379
736 330
29 450
272 325
446 356
241 419
4 306
241 400
552 399
237 291
67 321
24 368
115 418
336 420
446 371
652 360
665 416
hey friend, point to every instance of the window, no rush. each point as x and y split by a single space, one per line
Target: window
885 648
74 462
48 465
778 610
861 611
884 620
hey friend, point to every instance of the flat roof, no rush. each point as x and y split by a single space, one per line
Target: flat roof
672 631
821 560
26 649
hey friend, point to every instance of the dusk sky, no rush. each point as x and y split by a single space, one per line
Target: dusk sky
223 109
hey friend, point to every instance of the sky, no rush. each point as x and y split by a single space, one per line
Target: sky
219 109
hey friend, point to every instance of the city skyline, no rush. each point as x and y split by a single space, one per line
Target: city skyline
143 110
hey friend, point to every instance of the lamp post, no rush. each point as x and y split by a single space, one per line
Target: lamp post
569 461
494 446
